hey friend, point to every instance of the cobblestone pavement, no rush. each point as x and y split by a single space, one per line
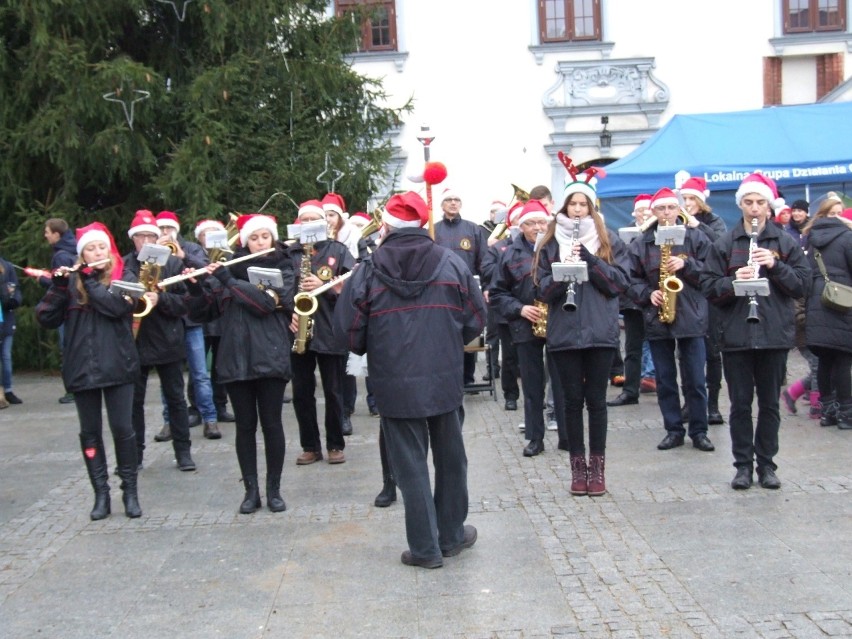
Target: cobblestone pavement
670 551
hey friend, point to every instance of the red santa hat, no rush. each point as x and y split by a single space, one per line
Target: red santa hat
406 210
759 184
311 206
254 222
208 225
450 193
334 202
847 214
514 214
169 219
143 222
97 232
664 197
360 219
695 186
533 210
643 199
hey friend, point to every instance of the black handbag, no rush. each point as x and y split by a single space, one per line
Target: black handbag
837 297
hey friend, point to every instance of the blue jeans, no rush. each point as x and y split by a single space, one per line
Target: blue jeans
6 354
196 360
647 361
693 356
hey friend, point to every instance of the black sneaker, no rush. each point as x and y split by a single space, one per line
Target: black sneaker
12 398
67 398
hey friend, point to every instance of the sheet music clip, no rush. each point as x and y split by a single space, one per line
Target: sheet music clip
133 290
308 232
628 233
154 254
673 235
265 277
749 288
570 272
217 240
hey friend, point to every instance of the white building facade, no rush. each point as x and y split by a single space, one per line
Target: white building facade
504 86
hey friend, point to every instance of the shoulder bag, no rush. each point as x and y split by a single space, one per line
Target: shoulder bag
837 297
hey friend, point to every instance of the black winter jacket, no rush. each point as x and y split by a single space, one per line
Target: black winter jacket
489 272
412 308
330 259
595 322
464 238
99 350
10 297
64 254
711 225
788 280
160 339
512 287
255 332
825 327
691 305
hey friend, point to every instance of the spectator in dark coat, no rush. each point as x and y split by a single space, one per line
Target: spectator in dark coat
10 299
412 308
828 332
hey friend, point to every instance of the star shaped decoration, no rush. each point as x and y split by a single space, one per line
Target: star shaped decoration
127 105
330 176
180 14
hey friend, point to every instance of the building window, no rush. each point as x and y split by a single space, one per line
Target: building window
378 22
569 20
807 16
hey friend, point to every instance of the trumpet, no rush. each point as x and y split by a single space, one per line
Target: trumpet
172 246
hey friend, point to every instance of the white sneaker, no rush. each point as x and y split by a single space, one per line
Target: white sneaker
551 425
522 426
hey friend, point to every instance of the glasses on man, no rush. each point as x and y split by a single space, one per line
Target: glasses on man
666 208
452 199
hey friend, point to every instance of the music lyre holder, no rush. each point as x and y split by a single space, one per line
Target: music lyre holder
673 235
265 277
308 232
216 240
154 254
627 233
132 290
751 288
576 272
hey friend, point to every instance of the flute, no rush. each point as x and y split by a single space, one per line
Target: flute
64 271
202 271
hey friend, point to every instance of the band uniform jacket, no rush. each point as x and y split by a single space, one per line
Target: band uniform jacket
330 259
255 330
412 308
464 238
99 350
595 322
160 339
788 280
691 310
512 287
10 298
832 237
489 272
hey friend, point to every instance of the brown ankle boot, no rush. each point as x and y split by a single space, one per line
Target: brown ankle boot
597 483
579 475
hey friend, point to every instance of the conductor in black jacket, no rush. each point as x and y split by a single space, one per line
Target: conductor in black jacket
412 308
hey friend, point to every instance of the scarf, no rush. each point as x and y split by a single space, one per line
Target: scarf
564 234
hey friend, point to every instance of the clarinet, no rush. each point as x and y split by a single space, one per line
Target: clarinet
753 317
570 304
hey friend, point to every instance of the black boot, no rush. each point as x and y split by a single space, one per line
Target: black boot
388 494
714 417
251 502
844 416
125 452
95 458
828 411
274 501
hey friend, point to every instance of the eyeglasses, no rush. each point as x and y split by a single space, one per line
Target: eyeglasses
665 207
452 199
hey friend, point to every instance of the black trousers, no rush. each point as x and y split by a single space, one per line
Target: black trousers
746 372
332 369
118 401
493 338
220 394
583 375
171 381
531 361
262 399
634 335
833 373
350 393
510 370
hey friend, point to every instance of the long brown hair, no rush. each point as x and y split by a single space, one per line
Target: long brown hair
105 279
827 204
604 251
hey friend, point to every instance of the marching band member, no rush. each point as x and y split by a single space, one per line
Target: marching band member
160 342
754 354
513 293
328 259
425 300
582 342
254 357
99 362
674 320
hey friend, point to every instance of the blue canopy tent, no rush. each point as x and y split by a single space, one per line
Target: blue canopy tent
800 147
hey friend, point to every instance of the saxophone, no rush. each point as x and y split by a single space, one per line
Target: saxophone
149 278
670 285
305 305
539 327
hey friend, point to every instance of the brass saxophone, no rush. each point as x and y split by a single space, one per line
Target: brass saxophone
149 278
539 327
670 286
305 305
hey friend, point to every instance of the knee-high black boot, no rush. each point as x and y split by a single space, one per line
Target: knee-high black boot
388 494
95 458
125 453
